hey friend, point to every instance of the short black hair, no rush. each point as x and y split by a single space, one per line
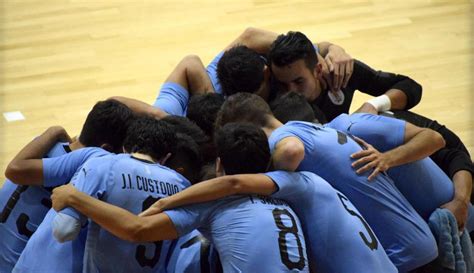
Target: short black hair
291 47
240 69
106 123
185 126
292 106
243 148
202 109
188 157
150 136
244 107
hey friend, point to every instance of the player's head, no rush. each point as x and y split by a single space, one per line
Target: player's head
202 109
151 137
187 158
244 107
242 148
294 64
241 69
185 126
106 125
292 106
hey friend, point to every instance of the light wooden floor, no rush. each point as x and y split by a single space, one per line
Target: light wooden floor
57 58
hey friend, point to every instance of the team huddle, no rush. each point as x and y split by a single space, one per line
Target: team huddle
251 164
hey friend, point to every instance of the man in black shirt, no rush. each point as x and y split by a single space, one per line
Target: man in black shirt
296 67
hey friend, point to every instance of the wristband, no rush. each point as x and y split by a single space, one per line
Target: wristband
381 103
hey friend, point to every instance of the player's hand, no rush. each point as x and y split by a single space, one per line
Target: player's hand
459 208
61 196
59 133
340 66
370 158
367 108
156 208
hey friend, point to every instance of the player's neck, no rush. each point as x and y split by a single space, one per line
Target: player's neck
144 157
76 144
272 125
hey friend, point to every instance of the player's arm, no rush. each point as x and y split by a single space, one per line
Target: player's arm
140 107
340 64
117 221
418 144
288 154
190 74
393 91
214 189
26 168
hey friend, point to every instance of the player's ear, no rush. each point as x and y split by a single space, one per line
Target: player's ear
163 160
180 170
219 168
108 147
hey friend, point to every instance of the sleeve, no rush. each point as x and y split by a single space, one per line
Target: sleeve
92 180
376 83
211 70
65 227
290 184
173 99
60 170
276 137
188 218
384 133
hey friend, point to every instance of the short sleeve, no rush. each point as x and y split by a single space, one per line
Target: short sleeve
211 70
290 184
383 133
173 99
188 218
60 170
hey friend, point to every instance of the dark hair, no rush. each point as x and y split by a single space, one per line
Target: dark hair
291 47
185 126
188 157
240 69
106 123
243 148
292 106
243 107
202 109
152 137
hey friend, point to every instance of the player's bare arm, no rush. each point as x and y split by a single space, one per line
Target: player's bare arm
26 168
418 144
214 189
288 154
116 220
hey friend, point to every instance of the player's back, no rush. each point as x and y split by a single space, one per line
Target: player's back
132 184
338 238
59 257
22 209
250 233
422 182
328 154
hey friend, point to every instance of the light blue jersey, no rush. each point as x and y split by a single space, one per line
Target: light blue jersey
251 233
404 235
43 253
422 182
173 99
211 70
132 184
22 209
338 238
193 253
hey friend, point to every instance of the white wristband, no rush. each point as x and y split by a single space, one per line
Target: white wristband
381 103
